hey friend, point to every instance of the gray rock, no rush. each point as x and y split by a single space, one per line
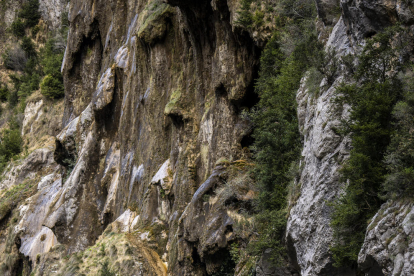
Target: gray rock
52 12
388 246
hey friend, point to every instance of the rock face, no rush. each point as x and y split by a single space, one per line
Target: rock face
389 245
139 172
308 232
53 11
145 85
309 235
308 225
366 18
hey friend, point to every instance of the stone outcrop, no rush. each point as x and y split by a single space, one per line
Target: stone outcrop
53 12
309 235
366 18
145 168
308 226
389 245
144 85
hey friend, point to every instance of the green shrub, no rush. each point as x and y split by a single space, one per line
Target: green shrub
13 99
326 63
52 84
4 93
52 87
17 28
298 9
51 58
28 47
105 271
11 141
30 13
245 17
35 30
258 18
24 91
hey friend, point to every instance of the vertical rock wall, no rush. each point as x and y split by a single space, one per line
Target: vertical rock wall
149 82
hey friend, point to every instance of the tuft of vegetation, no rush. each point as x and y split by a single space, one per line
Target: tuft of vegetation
52 56
4 92
28 47
245 17
52 87
17 28
30 13
10 199
105 271
14 58
372 96
10 143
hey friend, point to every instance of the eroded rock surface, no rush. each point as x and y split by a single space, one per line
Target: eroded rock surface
155 92
388 247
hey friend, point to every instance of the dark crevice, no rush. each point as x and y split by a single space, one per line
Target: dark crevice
197 263
21 266
245 206
221 91
374 269
177 120
291 254
250 98
64 156
247 141
74 79
110 115
87 42
222 262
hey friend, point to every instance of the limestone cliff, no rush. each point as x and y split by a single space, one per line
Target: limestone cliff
141 168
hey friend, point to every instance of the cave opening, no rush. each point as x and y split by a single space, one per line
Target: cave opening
247 141
250 98
227 266
197 262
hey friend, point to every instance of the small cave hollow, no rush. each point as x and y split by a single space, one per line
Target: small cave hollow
177 120
226 265
248 101
221 91
247 141
197 262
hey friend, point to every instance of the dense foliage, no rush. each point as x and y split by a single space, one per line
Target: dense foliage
399 159
31 66
34 65
28 17
4 92
30 13
10 143
245 17
277 143
372 97
52 84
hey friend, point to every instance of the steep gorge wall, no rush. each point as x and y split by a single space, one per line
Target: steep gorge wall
149 84
309 235
151 122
